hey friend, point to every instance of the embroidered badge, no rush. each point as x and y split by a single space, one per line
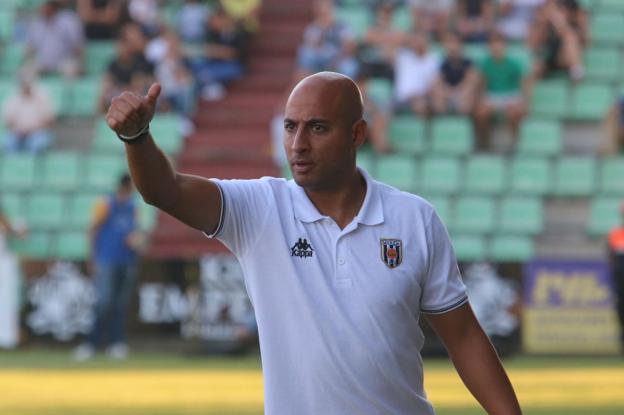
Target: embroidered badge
391 252
302 249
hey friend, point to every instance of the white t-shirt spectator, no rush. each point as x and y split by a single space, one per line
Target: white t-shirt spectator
414 74
28 112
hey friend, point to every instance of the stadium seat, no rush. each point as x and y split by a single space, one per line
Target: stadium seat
531 176
17 172
521 54
147 215
57 88
407 135
71 246
474 215
591 101
7 25
451 136
611 176
402 19
540 137
11 58
380 90
357 19
102 172
475 51
45 211
505 248
440 176
485 175
521 215
398 171
603 63
604 215
83 97
60 171
442 206
607 28
98 55
575 176
611 5
550 99
80 210
104 140
167 128
36 245
11 205
469 248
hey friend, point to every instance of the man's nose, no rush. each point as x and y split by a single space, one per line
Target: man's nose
300 141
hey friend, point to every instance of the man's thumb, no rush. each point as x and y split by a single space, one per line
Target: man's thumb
153 93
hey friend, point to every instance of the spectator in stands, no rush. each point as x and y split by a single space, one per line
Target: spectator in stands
225 55
380 44
147 14
115 241
102 18
28 115
377 115
129 70
614 143
559 36
456 85
516 18
415 72
55 41
192 21
432 17
475 19
503 90
616 260
245 12
327 44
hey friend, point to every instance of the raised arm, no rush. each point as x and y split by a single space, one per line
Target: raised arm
476 360
194 200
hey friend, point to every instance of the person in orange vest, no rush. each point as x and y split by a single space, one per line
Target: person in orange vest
616 257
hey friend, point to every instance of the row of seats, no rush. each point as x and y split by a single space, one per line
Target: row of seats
63 245
497 248
496 175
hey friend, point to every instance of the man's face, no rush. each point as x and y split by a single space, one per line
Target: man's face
318 140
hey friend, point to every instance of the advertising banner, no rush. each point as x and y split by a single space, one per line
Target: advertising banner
569 308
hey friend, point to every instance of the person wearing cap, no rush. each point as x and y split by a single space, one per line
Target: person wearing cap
616 257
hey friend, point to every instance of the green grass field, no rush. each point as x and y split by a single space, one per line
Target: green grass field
49 383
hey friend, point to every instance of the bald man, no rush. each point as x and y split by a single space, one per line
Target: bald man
338 266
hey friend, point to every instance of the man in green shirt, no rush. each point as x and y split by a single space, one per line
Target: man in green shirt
502 84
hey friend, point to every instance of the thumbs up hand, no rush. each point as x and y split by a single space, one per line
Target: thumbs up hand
129 113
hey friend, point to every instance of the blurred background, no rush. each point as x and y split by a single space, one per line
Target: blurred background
507 115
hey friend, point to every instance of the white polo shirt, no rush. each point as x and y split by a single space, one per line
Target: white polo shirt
338 310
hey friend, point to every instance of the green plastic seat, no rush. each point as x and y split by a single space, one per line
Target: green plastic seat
475 51
506 248
36 245
166 128
521 215
469 248
611 5
440 176
81 206
575 176
380 90
71 246
550 99
451 136
474 215
148 215
45 211
521 54
591 101
12 206
357 19
60 171
607 28
531 176
98 55
18 172
402 19
603 63
11 58
7 24
485 175
398 170
101 172
407 135
540 137
105 141
604 215
611 176
57 89
83 97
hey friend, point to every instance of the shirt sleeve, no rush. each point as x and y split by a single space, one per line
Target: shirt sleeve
245 208
443 289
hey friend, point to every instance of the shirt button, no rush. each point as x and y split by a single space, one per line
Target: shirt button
341 261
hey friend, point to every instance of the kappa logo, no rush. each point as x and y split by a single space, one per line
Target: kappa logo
391 252
302 249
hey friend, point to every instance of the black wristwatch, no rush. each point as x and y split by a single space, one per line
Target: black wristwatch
137 138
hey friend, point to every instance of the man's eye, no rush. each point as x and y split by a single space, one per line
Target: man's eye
319 128
289 127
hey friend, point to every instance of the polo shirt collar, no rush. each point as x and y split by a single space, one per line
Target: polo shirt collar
371 212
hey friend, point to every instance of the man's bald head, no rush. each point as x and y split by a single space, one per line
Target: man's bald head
333 91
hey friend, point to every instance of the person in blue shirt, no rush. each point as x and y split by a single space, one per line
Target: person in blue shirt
114 244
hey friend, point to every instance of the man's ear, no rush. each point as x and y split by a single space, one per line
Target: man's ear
359 132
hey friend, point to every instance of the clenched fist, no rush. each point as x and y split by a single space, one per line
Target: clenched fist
129 112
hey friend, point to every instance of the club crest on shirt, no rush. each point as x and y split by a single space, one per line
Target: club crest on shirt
391 252
302 249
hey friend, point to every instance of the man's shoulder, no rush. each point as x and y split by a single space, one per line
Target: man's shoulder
405 201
